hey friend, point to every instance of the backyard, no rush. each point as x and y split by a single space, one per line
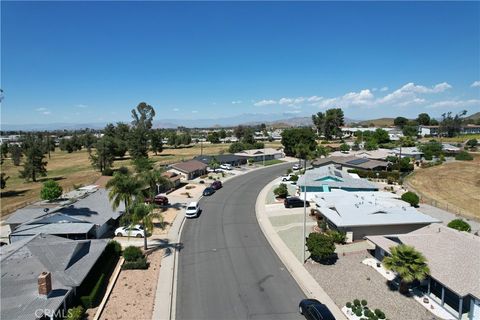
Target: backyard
455 184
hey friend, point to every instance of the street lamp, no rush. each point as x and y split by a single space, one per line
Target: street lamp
304 209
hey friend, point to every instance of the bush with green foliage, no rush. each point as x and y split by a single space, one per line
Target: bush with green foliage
91 299
464 156
349 304
114 248
294 178
321 247
337 236
51 190
344 147
472 143
364 302
76 313
281 191
356 302
139 264
394 175
411 198
132 253
460 225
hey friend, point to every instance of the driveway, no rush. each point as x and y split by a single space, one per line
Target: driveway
227 269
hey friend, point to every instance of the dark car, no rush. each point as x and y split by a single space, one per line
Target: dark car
312 309
216 185
294 202
160 200
208 191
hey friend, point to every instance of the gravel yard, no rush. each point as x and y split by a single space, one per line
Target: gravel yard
347 280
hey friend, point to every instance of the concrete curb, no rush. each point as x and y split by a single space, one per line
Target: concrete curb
304 279
111 284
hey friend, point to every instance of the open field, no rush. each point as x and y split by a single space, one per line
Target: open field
456 184
458 139
74 168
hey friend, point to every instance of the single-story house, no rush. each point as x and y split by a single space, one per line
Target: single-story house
41 274
428 130
29 213
450 148
350 162
454 261
173 177
190 169
328 178
362 214
470 129
231 159
379 154
408 152
88 217
261 154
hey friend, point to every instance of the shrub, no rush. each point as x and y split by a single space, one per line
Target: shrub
337 236
132 253
90 300
76 313
320 246
460 225
114 247
281 191
294 178
356 302
378 312
107 172
463 156
358 313
140 263
472 143
289 170
381 315
349 304
368 313
411 198
364 303
51 190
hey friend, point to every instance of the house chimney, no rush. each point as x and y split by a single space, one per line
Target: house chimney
44 283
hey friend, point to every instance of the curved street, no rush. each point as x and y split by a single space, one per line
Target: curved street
227 269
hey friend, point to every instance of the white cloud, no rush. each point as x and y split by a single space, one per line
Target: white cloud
176 109
384 89
82 106
292 112
285 101
46 113
237 102
455 104
314 99
475 84
41 109
409 92
262 103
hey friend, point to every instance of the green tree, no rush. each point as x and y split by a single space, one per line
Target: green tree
88 140
123 187
213 137
4 150
155 180
322 151
371 144
423 119
434 122
104 154
35 164
3 180
213 164
344 147
294 136
222 134
450 126
239 132
329 123
381 136
319 122
142 164
16 154
411 198
410 131
400 122
408 263
51 190
472 143
304 152
236 147
156 143
173 139
143 213
281 191
321 247
460 225
142 121
431 149
406 142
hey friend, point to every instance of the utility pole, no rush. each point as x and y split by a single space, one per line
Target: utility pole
304 211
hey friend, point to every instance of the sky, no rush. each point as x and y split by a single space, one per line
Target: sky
87 62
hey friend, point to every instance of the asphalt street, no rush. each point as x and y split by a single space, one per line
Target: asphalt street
227 269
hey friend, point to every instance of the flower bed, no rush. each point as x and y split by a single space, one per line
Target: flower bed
358 310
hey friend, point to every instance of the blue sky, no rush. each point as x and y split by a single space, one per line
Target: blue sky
94 61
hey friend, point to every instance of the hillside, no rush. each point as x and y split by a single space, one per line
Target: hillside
474 116
381 122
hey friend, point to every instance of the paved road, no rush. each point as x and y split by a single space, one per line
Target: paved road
227 269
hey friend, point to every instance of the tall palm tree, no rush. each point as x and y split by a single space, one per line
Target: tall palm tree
410 265
123 187
143 213
154 179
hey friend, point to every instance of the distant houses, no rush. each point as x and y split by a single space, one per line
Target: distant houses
434 131
261 154
231 159
42 274
350 162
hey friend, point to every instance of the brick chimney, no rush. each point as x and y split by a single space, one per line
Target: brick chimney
44 283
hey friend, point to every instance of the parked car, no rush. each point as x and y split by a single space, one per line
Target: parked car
219 169
208 191
216 184
159 199
226 166
294 202
287 177
297 167
192 210
313 309
130 231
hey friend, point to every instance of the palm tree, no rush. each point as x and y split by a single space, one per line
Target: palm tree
154 179
410 265
143 213
304 152
123 188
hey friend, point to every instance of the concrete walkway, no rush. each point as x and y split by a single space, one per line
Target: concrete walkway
308 284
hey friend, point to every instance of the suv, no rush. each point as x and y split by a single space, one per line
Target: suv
216 184
294 202
192 210
160 200
226 166
297 167
312 309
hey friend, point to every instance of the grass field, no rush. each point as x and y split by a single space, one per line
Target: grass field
74 168
456 184
457 139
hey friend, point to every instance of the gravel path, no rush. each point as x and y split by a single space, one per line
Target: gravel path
347 280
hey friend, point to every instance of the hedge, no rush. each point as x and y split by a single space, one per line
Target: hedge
140 264
89 301
395 175
464 156
411 198
460 225
132 253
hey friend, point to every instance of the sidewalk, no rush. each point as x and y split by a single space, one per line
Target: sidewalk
306 282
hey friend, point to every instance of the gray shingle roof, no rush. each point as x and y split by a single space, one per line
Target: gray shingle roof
189 166
328 175
68 261
28 213
453 256
349 161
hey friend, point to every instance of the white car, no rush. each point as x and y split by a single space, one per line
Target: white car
297 167
130 231
226 166
288 177
192 210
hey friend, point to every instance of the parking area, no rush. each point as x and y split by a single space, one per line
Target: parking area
350 279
